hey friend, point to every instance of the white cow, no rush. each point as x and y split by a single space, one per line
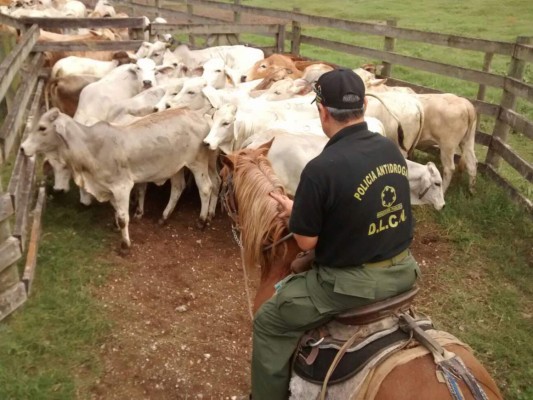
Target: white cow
402 116
74 9
121 83
74 65
231 131
191 95
103 9
107 161
450 122
238 58
155 51
95 102
290 153
129 110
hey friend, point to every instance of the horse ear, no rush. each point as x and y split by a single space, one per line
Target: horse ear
265 147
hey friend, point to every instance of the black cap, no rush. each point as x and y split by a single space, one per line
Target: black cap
340 88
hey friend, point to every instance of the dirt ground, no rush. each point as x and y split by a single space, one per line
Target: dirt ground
182 328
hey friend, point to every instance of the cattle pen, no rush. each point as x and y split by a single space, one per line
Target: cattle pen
205 22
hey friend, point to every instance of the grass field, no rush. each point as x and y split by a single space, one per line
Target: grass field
47 350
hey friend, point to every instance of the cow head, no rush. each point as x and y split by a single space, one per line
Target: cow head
263 68
190 96
215 74
145 70
428 188
222 132
47 134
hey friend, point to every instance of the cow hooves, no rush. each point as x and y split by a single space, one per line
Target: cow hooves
124 249
200 224
162 221
138 215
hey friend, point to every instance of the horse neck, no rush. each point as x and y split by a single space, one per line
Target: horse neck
278 269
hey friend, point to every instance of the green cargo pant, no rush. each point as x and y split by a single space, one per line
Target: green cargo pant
308 300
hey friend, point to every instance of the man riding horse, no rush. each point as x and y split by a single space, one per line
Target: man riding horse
352 207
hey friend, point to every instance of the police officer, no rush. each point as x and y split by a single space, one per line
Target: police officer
353 207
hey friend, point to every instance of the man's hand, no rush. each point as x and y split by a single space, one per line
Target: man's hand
285 204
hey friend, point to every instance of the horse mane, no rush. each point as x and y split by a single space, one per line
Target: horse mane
259 221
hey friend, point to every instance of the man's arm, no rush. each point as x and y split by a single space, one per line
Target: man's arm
304 242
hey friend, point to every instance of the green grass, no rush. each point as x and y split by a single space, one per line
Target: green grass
485 292
48 347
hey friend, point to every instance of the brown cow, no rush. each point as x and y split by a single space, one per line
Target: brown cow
51 57
263 68
64 92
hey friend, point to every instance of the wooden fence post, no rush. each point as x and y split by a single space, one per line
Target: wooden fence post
190 11
483 88
280 39
296 34
12 290
237 18
388 46
501 129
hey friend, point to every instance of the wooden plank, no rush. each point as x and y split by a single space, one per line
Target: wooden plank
14 22
9 252
23 202
517 122
33 246
6 207
510 189
504 150
13 185
280 39
9 132
63 23
168 12
417 88
462 73
513 87
12 299
440 39
12 63
519 88
295 33
483 138
488 109
524 52
97 45
207 29
34 109
9 277
388 46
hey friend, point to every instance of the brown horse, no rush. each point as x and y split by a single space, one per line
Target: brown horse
248 179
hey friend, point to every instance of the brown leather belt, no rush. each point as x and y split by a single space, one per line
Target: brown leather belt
389 262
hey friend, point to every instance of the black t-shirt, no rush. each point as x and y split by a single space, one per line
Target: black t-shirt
355 197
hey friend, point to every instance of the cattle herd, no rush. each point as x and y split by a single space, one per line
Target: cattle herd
118 120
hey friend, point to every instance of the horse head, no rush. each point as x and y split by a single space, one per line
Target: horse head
247 180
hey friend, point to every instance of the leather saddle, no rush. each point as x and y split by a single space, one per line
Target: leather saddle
374 330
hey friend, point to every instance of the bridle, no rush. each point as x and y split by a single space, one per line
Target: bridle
227 199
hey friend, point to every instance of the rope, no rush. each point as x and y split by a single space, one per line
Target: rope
246 287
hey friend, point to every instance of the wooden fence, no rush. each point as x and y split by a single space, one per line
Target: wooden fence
20 212
504 114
